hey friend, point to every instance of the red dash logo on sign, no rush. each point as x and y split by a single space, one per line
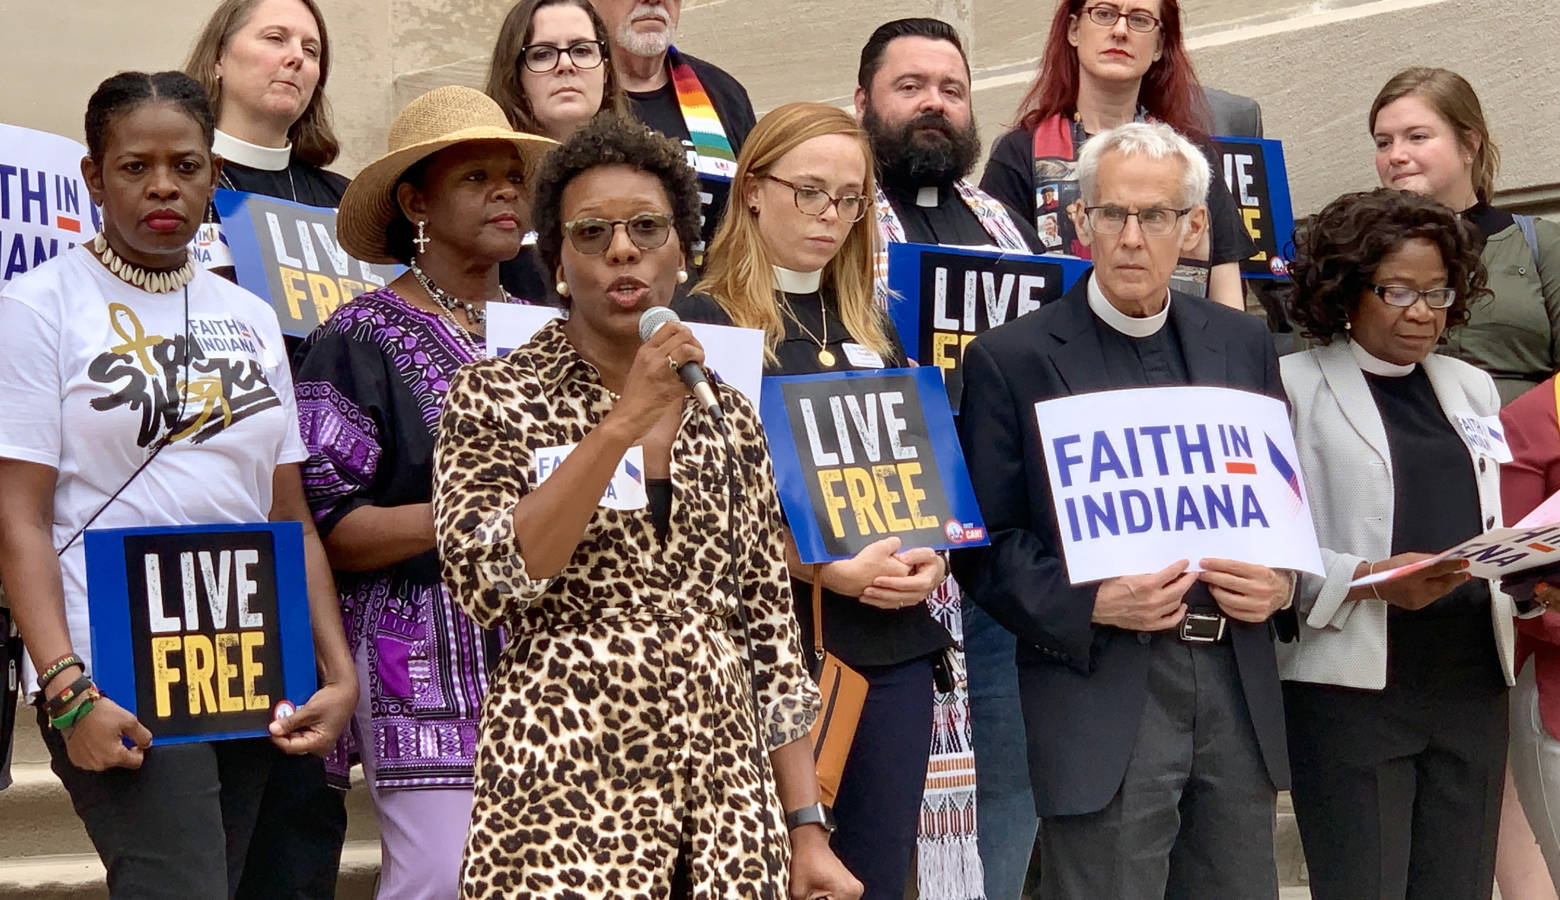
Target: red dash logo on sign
66 223
1541 548
1240 468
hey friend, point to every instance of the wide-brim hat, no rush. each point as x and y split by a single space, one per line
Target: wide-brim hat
441 118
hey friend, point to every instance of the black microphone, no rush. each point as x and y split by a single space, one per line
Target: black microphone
692 375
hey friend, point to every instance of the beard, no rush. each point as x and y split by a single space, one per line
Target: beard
645 44
924 149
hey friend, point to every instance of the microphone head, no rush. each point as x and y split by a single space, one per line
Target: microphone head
654 318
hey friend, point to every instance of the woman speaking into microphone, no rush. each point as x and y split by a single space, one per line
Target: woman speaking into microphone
646 730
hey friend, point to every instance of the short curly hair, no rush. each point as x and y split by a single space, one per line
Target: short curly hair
1337 252
612 140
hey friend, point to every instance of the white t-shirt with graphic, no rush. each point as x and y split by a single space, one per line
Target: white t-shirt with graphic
93 373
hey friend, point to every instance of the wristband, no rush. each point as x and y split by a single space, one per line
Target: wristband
60 665
59 702
70 718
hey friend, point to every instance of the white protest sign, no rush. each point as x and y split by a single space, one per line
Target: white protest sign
735 355
44 206
1532 542
1141 478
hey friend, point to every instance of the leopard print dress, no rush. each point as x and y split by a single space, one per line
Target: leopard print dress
618 740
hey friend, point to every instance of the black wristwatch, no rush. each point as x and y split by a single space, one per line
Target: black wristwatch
816 814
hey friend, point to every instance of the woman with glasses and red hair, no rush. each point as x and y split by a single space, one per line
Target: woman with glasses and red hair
1106 64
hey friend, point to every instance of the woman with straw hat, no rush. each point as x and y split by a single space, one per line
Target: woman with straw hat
647 730
448 200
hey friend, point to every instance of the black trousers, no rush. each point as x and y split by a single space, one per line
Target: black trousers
878 810
179 826
1398 792
295 852
1194 816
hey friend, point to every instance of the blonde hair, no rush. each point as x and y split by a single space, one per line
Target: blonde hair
313 141
1453 99
738 273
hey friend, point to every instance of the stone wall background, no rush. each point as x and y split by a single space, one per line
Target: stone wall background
1313 64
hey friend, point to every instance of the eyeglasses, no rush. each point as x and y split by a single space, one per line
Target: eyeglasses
1155 221
647 231
1403 296
811 201
1106 16
543 58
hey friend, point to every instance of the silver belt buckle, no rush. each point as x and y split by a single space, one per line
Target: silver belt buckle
1202 628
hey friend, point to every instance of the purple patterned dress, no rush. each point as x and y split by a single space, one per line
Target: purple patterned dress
371 382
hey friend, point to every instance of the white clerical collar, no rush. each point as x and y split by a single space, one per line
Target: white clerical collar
794 282
928 196
1375 365
270 159
1131 326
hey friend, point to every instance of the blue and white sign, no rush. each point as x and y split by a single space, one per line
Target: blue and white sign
202 632
867 454
44 205
1141 478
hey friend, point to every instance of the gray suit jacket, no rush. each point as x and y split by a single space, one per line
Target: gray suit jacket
1234 115
1348 473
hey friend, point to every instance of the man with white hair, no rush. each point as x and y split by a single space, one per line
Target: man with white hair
682 97
1151 703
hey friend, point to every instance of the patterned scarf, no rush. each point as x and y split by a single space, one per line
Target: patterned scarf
989 210
947 856
715 158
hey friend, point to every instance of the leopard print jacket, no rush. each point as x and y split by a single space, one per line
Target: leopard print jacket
618 738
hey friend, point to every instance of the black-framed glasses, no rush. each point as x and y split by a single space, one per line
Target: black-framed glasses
647 231
1106 16
543 58
811 201
1403 296
1156 221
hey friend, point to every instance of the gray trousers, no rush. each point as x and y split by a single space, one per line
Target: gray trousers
1194 816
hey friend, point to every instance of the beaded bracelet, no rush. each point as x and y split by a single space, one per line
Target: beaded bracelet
60 701
60 665
72 716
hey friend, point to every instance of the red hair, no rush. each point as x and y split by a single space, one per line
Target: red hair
1169 91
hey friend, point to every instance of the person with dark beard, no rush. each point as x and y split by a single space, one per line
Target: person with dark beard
913 100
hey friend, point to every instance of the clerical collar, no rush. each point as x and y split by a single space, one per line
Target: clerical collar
926 196
269 159
1374 365
794 282
1131 326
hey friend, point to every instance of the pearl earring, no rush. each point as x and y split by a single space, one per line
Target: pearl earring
682 276
421 240
562 288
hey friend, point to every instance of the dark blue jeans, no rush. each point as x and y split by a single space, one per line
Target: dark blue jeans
878 809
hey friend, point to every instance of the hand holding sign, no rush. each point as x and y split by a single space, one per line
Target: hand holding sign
97 743
1144 602
1246 591
1419 579
926 570
313 727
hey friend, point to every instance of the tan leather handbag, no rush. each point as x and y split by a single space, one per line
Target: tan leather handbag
844 692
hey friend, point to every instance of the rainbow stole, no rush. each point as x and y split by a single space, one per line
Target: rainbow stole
715 158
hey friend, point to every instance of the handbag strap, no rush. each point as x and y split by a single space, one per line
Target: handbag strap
817 609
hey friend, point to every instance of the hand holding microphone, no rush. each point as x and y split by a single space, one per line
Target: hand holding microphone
690 370
654 385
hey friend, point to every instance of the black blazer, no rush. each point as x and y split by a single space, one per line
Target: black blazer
1082 686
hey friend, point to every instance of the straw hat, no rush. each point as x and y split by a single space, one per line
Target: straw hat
441 118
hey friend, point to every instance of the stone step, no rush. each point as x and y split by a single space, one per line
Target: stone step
79 876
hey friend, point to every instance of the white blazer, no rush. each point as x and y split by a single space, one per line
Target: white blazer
1348 472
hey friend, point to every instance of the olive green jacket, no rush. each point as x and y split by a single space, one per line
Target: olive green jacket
1515 334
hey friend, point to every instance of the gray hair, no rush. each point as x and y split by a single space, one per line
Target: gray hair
1155 141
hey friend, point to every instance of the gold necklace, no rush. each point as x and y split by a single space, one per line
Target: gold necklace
825 356
148 280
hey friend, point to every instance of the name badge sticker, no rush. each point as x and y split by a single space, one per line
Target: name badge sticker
626 490
862 357
1485 435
